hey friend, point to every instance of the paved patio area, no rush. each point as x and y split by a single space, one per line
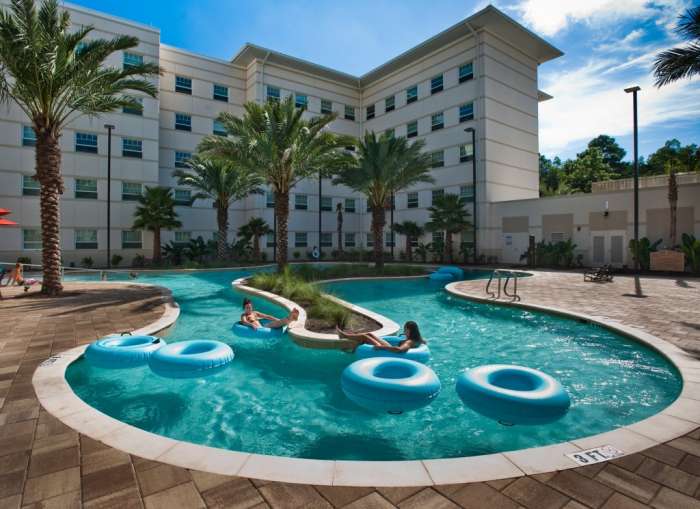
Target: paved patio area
43 463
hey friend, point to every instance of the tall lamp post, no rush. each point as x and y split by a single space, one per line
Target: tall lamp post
633 91
320 208
473 133
391 225
109 128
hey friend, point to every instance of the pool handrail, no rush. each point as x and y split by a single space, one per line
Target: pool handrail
499 273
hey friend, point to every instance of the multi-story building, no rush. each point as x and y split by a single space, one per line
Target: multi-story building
480 73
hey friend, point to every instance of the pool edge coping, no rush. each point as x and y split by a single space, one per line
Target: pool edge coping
682 416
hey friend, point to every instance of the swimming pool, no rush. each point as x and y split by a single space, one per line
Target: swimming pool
280 399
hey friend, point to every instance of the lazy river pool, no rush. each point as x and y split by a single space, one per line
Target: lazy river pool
280 399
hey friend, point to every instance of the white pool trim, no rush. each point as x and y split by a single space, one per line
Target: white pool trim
681 417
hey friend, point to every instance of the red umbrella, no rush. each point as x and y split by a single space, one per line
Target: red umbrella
6 222
4 212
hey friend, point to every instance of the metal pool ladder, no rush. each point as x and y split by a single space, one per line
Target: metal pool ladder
508 275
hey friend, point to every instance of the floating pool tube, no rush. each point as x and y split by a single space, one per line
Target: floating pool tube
191 359
420 354
389 385
114 352
451 269
442 277
513 394
261 332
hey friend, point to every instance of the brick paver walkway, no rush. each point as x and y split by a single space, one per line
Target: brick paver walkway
43 463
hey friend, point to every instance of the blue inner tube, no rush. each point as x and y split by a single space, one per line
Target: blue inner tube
390 385
420 354
513 394
442 276
246 331
114 352
191 359
451 269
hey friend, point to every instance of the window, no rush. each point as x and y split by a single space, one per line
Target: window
182 237
181 159
438 238
466 112
85 239
132 60
326 239
390 133
220 93
437 159
132 148
436 84
349 113
183 85
131 191
466 153
270 240
131 239
85 142
28 136
270 200
389 104
30 187
301 101
326 203
86 188
183 197
437 121
412 200
370 240
301 202
412 94
412 129
466 72
133 110
349 240
389 239
557 237
370 112
326 106
219 129
31 239
466 193
300 239
437 195
183 122
273 94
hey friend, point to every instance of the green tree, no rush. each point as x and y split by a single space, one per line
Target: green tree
551 176
412 231
448 215
156 212
222 181
385 166
55 75
588 167
683 61
255 228
673 154
613 154
274 140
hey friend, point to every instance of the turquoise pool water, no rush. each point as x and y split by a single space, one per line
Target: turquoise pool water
280 399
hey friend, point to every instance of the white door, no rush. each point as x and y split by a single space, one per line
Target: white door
608 248
514 245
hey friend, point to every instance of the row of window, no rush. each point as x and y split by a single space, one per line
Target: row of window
183 122
183 85
87 142
85 238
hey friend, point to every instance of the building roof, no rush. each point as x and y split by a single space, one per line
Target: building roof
489 17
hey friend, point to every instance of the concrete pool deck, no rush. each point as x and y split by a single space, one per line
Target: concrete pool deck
59 470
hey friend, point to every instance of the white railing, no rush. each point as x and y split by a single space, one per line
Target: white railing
607 186
36 268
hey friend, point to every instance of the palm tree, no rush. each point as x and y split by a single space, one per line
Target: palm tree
385 165
274 140
447 214
254 229
156 212
672 203
222 181
412 231
55 75
339 225
684 61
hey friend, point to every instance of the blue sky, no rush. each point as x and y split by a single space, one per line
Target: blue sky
608 45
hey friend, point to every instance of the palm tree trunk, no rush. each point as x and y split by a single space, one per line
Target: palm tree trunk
222 234
448 247
378 220
282 215
48 173
340 231
256 246
673 205
409 249
156 246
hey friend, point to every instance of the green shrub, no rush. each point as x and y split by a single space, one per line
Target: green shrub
116 260
87 262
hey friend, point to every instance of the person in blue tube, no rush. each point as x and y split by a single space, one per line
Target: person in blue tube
413 339
252 318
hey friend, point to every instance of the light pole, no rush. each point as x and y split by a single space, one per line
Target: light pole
473 133
391 226
109 128
633 91
320 208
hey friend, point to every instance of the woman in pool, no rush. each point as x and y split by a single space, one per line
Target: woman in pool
410 330
252 318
